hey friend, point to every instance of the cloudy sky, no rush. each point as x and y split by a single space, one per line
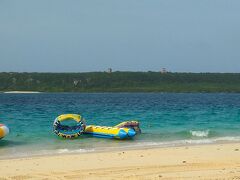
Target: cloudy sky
126 35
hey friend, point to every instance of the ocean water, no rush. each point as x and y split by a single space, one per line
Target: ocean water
167 119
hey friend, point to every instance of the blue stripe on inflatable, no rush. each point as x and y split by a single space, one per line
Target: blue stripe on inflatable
101 135
121 134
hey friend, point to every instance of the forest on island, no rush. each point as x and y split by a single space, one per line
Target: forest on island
120 82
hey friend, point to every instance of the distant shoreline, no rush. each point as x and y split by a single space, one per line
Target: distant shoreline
21 92
94 82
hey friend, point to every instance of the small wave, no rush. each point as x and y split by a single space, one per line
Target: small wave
228 138
178 142
200 133
187 142
28 152
66 151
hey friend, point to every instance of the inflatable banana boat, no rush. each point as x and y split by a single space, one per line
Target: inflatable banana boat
109 132
67 131
3 131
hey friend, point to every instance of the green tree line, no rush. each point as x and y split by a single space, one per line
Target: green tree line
120 82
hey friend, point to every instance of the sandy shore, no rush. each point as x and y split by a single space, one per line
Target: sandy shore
21 92
220 161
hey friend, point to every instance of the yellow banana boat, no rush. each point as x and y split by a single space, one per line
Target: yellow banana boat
109 132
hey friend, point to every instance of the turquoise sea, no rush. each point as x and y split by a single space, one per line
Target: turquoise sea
167 119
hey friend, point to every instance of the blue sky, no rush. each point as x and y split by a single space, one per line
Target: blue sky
126 35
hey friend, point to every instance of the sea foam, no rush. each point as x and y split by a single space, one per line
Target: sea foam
200 133
66 151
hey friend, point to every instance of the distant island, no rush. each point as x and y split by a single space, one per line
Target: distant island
120 82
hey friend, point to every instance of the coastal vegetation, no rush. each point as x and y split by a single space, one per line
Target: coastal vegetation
120 82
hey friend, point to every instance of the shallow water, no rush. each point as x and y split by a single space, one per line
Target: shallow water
167 119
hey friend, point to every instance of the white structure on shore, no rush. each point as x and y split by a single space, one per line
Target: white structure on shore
109 70
163 70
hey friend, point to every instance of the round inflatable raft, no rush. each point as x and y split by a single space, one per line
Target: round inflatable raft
3 130
67 131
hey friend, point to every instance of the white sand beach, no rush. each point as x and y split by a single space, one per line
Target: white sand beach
21 92
218 161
